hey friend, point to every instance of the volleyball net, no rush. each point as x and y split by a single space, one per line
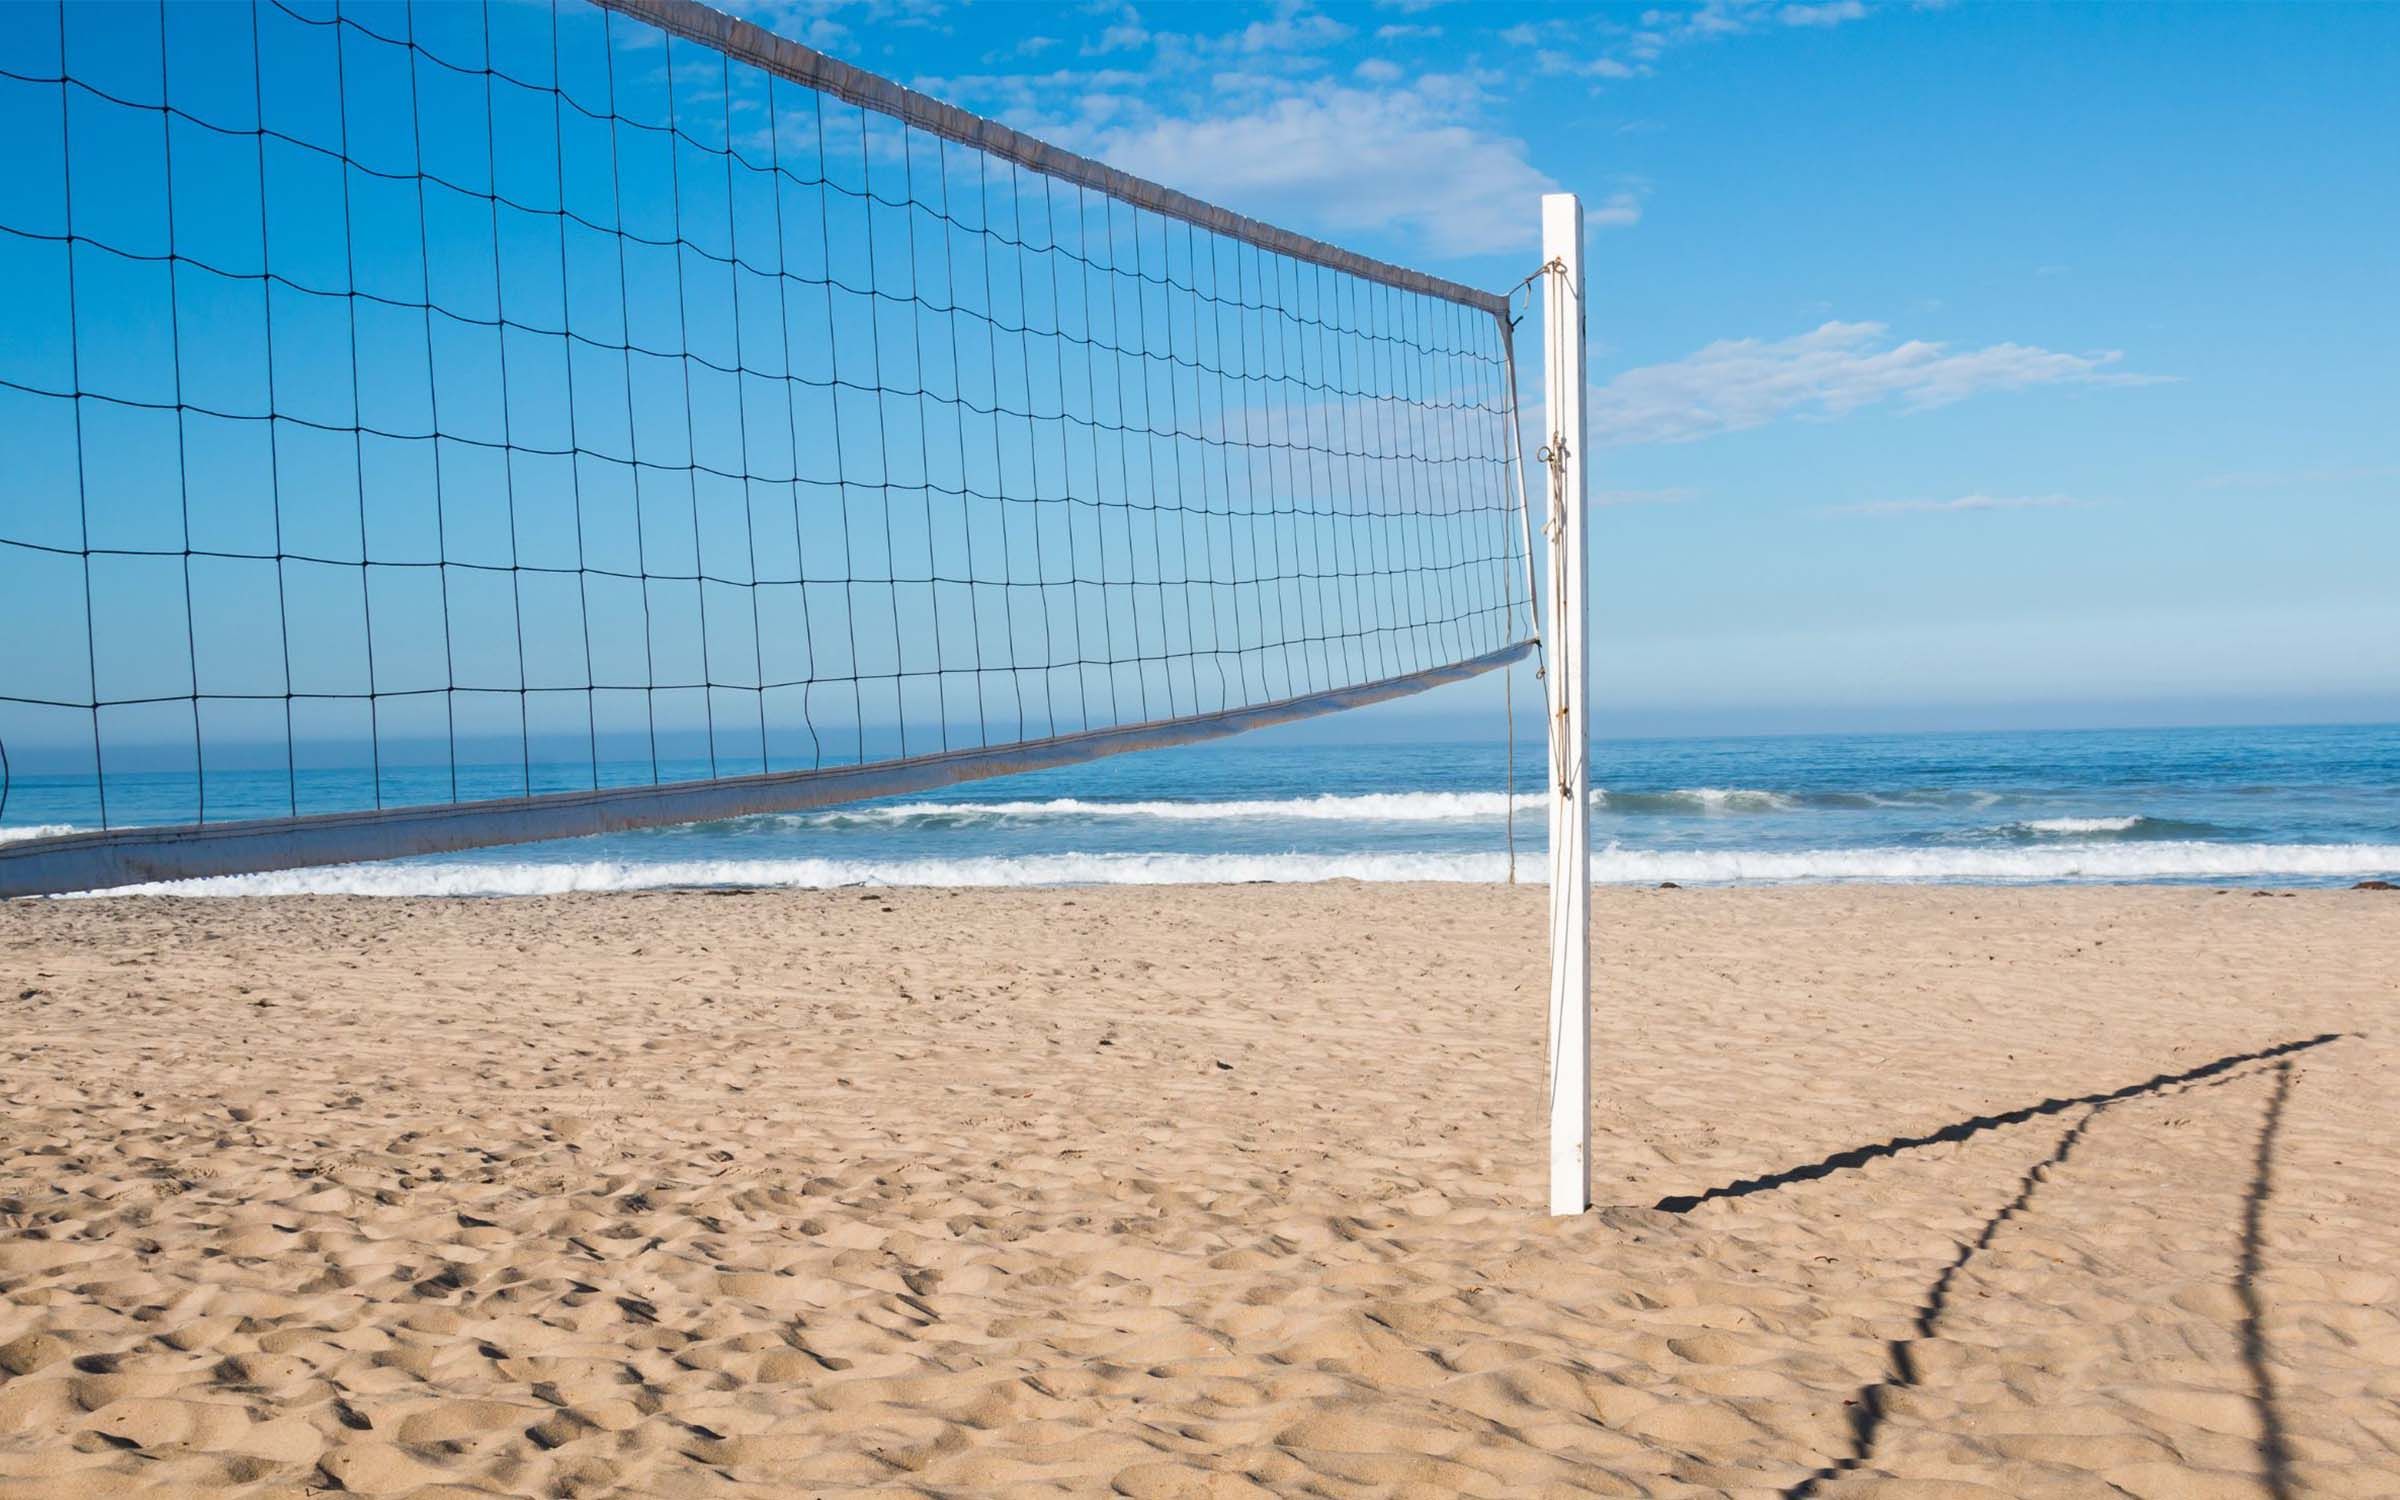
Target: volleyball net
427 426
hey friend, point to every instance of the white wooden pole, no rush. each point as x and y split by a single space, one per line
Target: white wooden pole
1568 677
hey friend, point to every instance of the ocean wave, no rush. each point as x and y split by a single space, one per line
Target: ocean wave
1710 799
1371 807
532 878
1613 865
2112 860
1331 807
35 831
2132 826
2078 825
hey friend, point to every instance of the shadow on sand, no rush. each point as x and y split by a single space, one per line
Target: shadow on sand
1872 1406
1859 1156
2275 1452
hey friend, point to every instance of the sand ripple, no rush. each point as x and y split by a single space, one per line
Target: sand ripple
1174 1193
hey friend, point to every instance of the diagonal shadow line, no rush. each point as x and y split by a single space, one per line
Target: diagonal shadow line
1874 1402
2274 1447
1872 1406
1859 1156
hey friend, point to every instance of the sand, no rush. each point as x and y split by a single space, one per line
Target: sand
1170 1192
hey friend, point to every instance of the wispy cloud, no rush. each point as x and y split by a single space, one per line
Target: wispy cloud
1591 45
1289 32
1833 369
1964 504
1250 116
1619 210
1555 62
1119 36
1344 159
1832 13
814 23
809 22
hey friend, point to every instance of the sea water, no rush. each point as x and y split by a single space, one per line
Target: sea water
2259 806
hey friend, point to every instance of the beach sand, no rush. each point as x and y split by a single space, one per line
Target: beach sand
1200 1192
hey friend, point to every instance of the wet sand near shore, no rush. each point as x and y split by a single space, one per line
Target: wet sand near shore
1198 1192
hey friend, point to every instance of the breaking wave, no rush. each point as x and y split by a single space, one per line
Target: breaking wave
2112 861
1372 807
1706 799
2078 825
1329 807
35 831
2130 827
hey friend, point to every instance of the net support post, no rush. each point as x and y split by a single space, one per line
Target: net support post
1568 679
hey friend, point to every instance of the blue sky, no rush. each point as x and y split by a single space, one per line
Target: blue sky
1954 366
394 388
1957 365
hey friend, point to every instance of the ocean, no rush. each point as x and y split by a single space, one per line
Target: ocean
2285 806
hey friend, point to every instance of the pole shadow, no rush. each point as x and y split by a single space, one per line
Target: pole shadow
2275 1452
1872 1406
1859 1156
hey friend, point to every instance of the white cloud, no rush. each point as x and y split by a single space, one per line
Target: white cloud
1292 33
1098 91
1564 64
1341 159
1717 18
1402 32
1122 37
1836 368
1123 34
1961 505
1251 118
1621 210
812 21
1831 13
1595 47
808 22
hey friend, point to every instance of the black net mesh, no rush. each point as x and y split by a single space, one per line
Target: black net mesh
419 404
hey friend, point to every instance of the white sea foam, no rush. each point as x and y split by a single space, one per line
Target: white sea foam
35 831
1372 807
1732 799
2090 862
2114 860
467 878
1696 799
1329 807
2078 825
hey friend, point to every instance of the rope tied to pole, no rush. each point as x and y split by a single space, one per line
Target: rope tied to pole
1553 456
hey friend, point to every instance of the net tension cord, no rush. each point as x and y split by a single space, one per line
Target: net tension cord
1553 457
